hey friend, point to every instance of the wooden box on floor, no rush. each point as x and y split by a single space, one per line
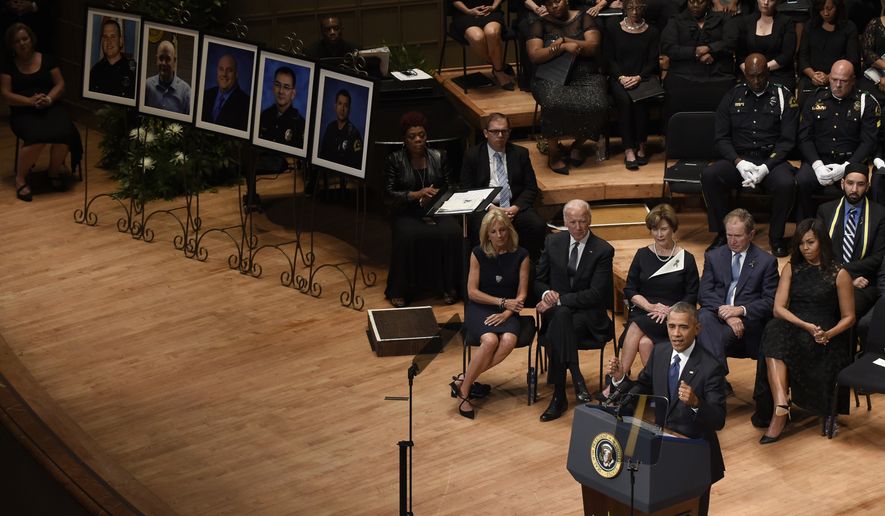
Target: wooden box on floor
403 331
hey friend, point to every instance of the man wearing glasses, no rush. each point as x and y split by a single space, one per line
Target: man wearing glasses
497 162
281 122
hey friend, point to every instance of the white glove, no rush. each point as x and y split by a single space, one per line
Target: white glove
822 172
878 163
761 172
745 168
836 171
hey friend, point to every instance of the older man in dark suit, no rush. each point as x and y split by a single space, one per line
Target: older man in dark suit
857 230
694 382
736 298
574 282
497 162
226 104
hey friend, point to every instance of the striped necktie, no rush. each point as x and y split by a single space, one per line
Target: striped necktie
848 237
504 199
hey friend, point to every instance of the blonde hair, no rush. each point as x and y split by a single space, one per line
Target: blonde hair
488 222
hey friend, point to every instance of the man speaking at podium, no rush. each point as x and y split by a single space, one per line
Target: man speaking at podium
694 382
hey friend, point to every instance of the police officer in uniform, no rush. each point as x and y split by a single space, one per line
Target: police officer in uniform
114 74
281 122
837 126
755 129
342 142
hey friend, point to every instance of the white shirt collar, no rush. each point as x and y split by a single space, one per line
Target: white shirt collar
683 356
583 241
493 151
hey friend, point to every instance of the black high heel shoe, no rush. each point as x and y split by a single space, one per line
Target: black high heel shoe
27 197
456 387
779 411
469 414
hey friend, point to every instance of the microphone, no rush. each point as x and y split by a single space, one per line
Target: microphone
618 391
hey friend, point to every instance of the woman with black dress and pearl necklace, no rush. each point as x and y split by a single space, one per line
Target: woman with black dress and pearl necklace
661 274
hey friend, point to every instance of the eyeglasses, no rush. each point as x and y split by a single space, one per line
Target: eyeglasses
281 86
498 132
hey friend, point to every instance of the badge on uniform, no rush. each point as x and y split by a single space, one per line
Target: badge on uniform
793 102
738 103
856 106
357 146
818 107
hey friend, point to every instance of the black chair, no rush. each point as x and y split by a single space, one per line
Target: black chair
541 358
75 171
690 148
476 79
525 339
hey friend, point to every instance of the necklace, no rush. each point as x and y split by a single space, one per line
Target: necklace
627 26
658 256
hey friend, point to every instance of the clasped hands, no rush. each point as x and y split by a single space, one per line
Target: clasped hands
702 54
732 316
752 174
658 312
548 301
820 335
510 306
481 10
40 100
629 81
510 211
828 174
566 46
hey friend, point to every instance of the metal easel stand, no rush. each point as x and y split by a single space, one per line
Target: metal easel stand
194 247
86 215
349 297
287 277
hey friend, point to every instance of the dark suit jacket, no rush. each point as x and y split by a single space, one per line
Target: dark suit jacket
233 113
863 263
707 378
475 173
591 292
756 286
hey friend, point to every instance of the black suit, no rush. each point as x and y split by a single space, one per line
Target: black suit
476 173
705 375
865 260
581 314
234 112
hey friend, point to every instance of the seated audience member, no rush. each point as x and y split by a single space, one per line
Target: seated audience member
661 274
755 130
32 84
736 298
837 126
692 381
425 254
576 108
481 22
574 282
805 345
632 51
528 12
873 51
497 162
827 38
497 286
856 227
700 47
772 35
332 42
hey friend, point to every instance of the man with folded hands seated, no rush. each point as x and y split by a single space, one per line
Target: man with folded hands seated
497 162
755 130
737 298
856 227
837 126
574 281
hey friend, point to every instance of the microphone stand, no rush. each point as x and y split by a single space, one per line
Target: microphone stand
405 455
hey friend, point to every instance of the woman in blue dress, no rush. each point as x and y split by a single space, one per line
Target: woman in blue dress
497 286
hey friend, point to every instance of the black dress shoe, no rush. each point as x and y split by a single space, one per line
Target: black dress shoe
641 160
555 409
719 241
631 164
480 390
563 170
779 249
582 393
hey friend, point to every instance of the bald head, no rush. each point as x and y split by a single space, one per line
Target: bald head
842 78
756 72
166 61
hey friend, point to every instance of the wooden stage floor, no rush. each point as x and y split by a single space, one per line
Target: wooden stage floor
194 389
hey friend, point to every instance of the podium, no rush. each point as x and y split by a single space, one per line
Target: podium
671 472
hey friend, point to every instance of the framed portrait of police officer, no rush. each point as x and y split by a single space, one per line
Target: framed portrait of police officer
169 62
344 113
110 64
226 83
284 103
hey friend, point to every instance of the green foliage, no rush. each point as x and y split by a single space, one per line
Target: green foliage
405 57
163 159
